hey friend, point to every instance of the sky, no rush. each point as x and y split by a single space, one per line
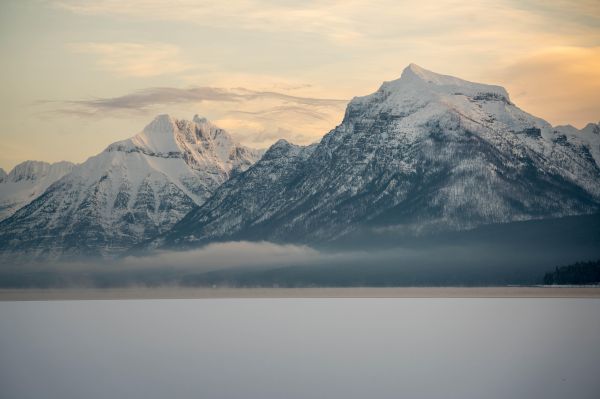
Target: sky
79 75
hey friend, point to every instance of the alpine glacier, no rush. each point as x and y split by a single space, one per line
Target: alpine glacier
133 190
27 181
425 153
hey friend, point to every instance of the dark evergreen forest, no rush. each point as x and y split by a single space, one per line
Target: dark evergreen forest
579 273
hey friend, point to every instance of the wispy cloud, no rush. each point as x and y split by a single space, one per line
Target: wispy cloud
262 135
354 21
147 99
383 37
256 117
328 17
135 59
283 110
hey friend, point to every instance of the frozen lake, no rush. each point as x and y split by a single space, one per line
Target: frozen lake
301 348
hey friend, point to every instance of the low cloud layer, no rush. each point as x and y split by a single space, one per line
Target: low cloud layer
212 257
226 255
492 258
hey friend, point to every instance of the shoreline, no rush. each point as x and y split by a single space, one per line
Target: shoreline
165 292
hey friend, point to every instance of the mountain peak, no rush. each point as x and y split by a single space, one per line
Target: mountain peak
416 79
418 87
281 143
414 71
592 128
26 181
159 135
208 129
199 119
282 149
29 170
280 146
33 170
162 123
167 135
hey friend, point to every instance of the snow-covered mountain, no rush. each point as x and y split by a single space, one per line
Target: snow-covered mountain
27 181
587 139
425 153
135 189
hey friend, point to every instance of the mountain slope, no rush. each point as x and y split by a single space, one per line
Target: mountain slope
587 140
26 182
425 153
133 190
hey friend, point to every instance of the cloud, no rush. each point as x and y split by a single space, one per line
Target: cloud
447 260
358 44
145 99
239 255
135 59
284 110
226 255
262 135
159 96
352 22
216 256
255 117
326 18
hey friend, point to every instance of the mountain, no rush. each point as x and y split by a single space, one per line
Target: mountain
423 154
26 182
587 139
133 190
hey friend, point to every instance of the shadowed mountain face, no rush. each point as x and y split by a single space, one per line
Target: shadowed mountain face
132 191
424 154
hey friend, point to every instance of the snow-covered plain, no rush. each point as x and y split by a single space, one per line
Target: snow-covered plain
301 348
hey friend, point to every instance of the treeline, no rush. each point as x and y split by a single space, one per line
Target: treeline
579 273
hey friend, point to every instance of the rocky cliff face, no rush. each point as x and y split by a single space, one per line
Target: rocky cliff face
425 153
134 190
